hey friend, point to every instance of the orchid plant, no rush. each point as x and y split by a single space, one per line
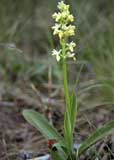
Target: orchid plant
62 148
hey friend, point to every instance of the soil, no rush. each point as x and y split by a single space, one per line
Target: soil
20 141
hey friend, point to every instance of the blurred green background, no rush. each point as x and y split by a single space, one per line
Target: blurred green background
26 42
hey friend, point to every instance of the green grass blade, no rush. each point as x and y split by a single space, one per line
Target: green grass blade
40 122
96 136
73 111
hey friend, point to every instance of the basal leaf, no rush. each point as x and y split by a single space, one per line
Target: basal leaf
96 136
58 153
41 123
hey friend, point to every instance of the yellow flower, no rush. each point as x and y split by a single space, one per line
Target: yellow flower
62 6
62 16
70 31
56 29
71 46
70 18
54 16
57 16
56 54
63 27
71 55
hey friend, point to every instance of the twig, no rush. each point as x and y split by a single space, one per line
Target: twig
6 104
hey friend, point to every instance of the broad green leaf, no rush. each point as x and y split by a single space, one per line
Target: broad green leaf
41 123
73 111
96 136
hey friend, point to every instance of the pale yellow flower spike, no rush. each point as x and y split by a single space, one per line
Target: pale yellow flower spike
63 29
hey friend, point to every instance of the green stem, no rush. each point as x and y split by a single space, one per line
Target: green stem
66 90
67 123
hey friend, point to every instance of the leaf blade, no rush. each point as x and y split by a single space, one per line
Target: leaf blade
59 153
40 122
96 136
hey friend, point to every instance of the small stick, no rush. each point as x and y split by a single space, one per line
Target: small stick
6 104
